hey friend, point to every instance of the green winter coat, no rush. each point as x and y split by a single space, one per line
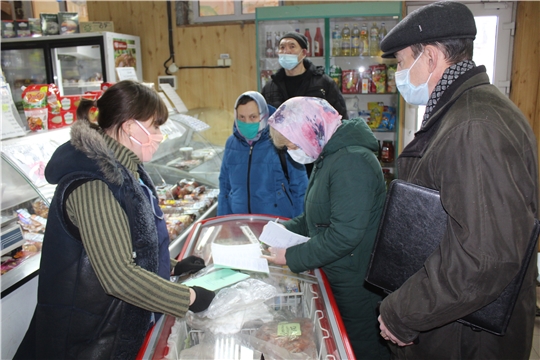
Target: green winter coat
342 208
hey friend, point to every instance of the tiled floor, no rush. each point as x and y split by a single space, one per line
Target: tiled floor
535 351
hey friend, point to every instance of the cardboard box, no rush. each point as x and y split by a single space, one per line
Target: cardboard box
8 29
96 26
49 24
22 28
35 26
69 22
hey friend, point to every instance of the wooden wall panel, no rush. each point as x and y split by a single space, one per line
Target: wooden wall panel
525 90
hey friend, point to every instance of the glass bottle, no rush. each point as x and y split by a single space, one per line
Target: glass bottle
364 39
388 177
346 41
387 151
382 33
355 41
374 40
309 42
276 43
269 48
318 43
336 41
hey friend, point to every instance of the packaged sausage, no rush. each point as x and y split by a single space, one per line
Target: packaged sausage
35 106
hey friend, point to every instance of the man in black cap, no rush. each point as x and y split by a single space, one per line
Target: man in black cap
478 150
300 77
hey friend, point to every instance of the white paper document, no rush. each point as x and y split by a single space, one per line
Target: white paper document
245 257
277 236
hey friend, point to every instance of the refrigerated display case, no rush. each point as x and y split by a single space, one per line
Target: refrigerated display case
378 101
76 63
301 300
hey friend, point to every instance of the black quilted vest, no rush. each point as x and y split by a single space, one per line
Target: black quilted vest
74 317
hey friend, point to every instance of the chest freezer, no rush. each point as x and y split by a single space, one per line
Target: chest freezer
302 319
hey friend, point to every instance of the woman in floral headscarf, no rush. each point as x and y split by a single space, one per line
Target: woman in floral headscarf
342 208
255 177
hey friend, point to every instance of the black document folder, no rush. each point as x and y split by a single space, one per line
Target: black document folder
412 225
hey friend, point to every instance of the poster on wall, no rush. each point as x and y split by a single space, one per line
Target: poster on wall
125 53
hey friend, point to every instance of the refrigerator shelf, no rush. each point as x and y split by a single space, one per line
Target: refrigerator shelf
82 84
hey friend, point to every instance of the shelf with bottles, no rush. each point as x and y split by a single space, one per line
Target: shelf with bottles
359 37
270 32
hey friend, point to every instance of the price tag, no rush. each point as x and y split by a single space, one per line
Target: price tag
11 121
175 99
289 329
126 73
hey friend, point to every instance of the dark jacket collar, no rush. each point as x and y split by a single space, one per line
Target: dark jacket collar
422 138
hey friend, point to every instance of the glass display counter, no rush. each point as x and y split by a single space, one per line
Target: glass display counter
272 305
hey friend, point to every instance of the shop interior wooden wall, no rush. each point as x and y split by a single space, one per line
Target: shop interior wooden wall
218 88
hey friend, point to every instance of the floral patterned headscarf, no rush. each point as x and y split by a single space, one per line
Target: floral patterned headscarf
307 122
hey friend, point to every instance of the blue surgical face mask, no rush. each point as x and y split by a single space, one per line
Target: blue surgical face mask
248 130
414 95
288 61
300 156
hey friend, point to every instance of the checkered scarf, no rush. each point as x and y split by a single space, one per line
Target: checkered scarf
449 76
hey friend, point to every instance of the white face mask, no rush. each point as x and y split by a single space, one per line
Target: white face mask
414 95
300 156
288 61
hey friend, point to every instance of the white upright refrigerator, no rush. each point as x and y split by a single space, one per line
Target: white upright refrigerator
76 63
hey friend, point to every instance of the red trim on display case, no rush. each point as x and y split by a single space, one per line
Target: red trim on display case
341 327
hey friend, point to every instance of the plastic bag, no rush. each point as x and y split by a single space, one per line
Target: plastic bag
234 306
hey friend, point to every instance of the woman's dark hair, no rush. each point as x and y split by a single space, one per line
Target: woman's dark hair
244 99
455 50
124 101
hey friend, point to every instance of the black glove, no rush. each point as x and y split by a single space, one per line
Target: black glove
203 298
190 265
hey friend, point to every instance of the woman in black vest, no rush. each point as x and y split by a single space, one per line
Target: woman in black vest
105 267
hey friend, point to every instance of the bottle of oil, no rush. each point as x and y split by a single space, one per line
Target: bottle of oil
355 41
336 41
346 41
364 39
374 40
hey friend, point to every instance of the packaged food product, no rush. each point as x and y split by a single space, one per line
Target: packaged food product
35 106
295 335
350 82
8 29
35 26
376 112
49 24
64 118
22 28
336 74
106 85
69 22
378 78
391 79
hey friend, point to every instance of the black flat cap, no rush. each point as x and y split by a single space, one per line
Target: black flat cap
442 20
301 39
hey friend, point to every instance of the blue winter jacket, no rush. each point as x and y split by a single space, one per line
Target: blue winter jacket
252 181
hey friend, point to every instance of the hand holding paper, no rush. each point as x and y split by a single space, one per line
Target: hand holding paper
278 236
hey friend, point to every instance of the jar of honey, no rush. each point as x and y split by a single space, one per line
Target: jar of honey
387 151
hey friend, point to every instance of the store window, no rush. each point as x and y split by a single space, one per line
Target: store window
227 10
494 52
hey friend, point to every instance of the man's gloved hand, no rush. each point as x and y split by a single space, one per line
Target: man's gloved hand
203 298
190 265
